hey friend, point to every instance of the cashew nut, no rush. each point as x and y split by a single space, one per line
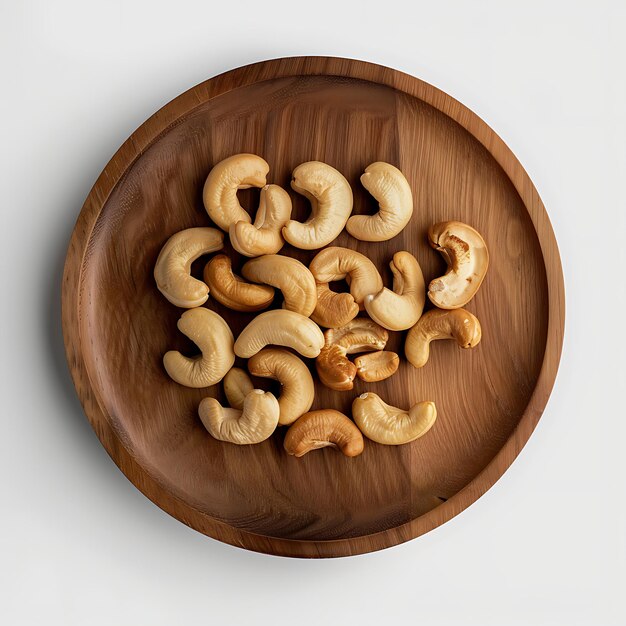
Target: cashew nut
334 368
287 274
322 429
294 376
336 263
255 423
330 195
173 265
237 385
466 253
333 309
457 324
231 290
213 336
401 308
264 237
240 171
392 191
283 328
389 425
376 366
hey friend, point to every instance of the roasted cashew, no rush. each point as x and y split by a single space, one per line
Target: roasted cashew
173 265
330 195
240 171
392 191
376 366
237 385
333 309
212 335
389 425
401 308
322 429
231 290
457 324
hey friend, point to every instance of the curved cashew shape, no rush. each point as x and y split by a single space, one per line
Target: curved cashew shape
457 324
334 368
255 423
322 429
264 237
287 274
231 290
401 308
395 201
330 195
389 425
467 256
333 309
240 171
237 385
298 389
283 328
212 335
173 265
336 263
376 366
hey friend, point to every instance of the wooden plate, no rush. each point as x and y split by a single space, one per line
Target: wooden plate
117 326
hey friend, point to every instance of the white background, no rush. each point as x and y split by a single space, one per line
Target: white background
80 545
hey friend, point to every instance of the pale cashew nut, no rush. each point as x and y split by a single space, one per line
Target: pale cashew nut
231 290
336 263
240 171
264 236
389 425
173 265
287 274
376 366
212 335
297 388
330 195
333 309
255 423
467 256
395 201
283 328
323 429
237 385
401 308
334 368
457 324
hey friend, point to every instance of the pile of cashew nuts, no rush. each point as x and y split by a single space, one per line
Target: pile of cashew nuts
309 303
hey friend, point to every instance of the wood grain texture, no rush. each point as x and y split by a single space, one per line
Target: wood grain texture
117 325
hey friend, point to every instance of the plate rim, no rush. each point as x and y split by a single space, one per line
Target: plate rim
158 124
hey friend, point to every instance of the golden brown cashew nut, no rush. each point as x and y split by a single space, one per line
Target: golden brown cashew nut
287 274
389 425
264 236
240 171
212 335
231 290
336 263
334 368
298 390
376 366
173 265
333 309
457 324
255 423
322 429
401 308
237 385
466 253
282 328
392 191
330 195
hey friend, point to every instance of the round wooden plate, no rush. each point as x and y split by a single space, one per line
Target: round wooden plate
117 325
